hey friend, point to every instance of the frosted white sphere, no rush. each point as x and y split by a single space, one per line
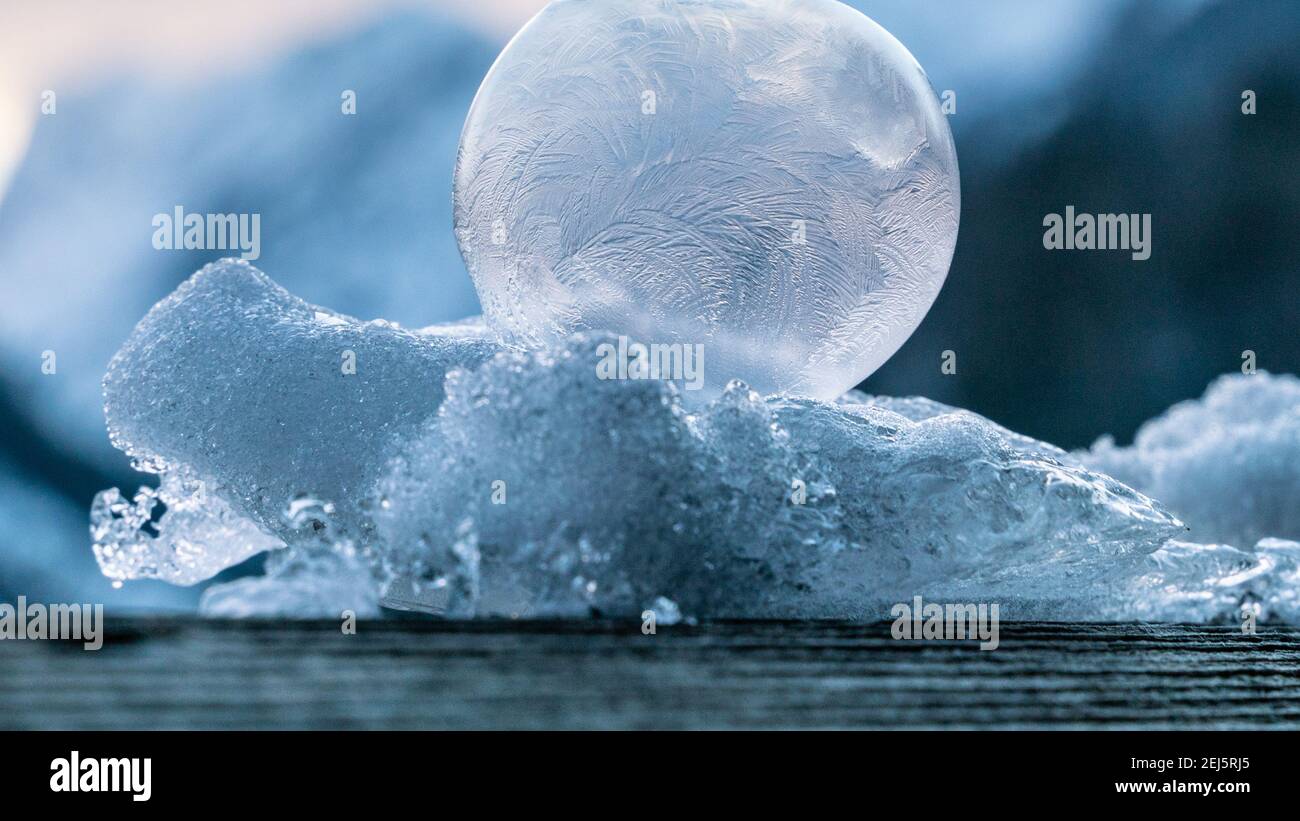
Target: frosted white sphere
771 179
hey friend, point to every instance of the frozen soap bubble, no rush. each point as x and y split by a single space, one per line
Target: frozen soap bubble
772 180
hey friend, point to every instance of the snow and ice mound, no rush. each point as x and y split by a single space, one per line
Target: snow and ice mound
244 395
448 473
579 494
1228 464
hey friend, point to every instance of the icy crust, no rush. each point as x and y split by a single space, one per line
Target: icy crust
453 475
1228 464
244 398
609 494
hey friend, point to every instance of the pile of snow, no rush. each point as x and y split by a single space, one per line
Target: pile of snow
1228 464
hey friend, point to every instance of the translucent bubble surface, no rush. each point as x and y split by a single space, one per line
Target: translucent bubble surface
772 180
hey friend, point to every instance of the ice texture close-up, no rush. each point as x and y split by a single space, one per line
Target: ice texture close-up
525 485
749 507
247 397
774 181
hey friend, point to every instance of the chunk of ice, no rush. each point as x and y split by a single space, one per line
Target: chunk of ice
238 389
608 493
197 535
1183 581
322 575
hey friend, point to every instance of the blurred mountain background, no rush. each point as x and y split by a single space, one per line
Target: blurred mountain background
1106 105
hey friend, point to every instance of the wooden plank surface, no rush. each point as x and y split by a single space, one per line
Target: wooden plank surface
192 673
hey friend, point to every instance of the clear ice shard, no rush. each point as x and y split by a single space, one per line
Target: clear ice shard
245 397
323 575
453 474
193 536
1188 582
771 179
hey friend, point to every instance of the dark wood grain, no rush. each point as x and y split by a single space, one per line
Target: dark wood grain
190 673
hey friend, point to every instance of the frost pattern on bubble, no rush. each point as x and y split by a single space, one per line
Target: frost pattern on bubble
1228 463
244 397
772 180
